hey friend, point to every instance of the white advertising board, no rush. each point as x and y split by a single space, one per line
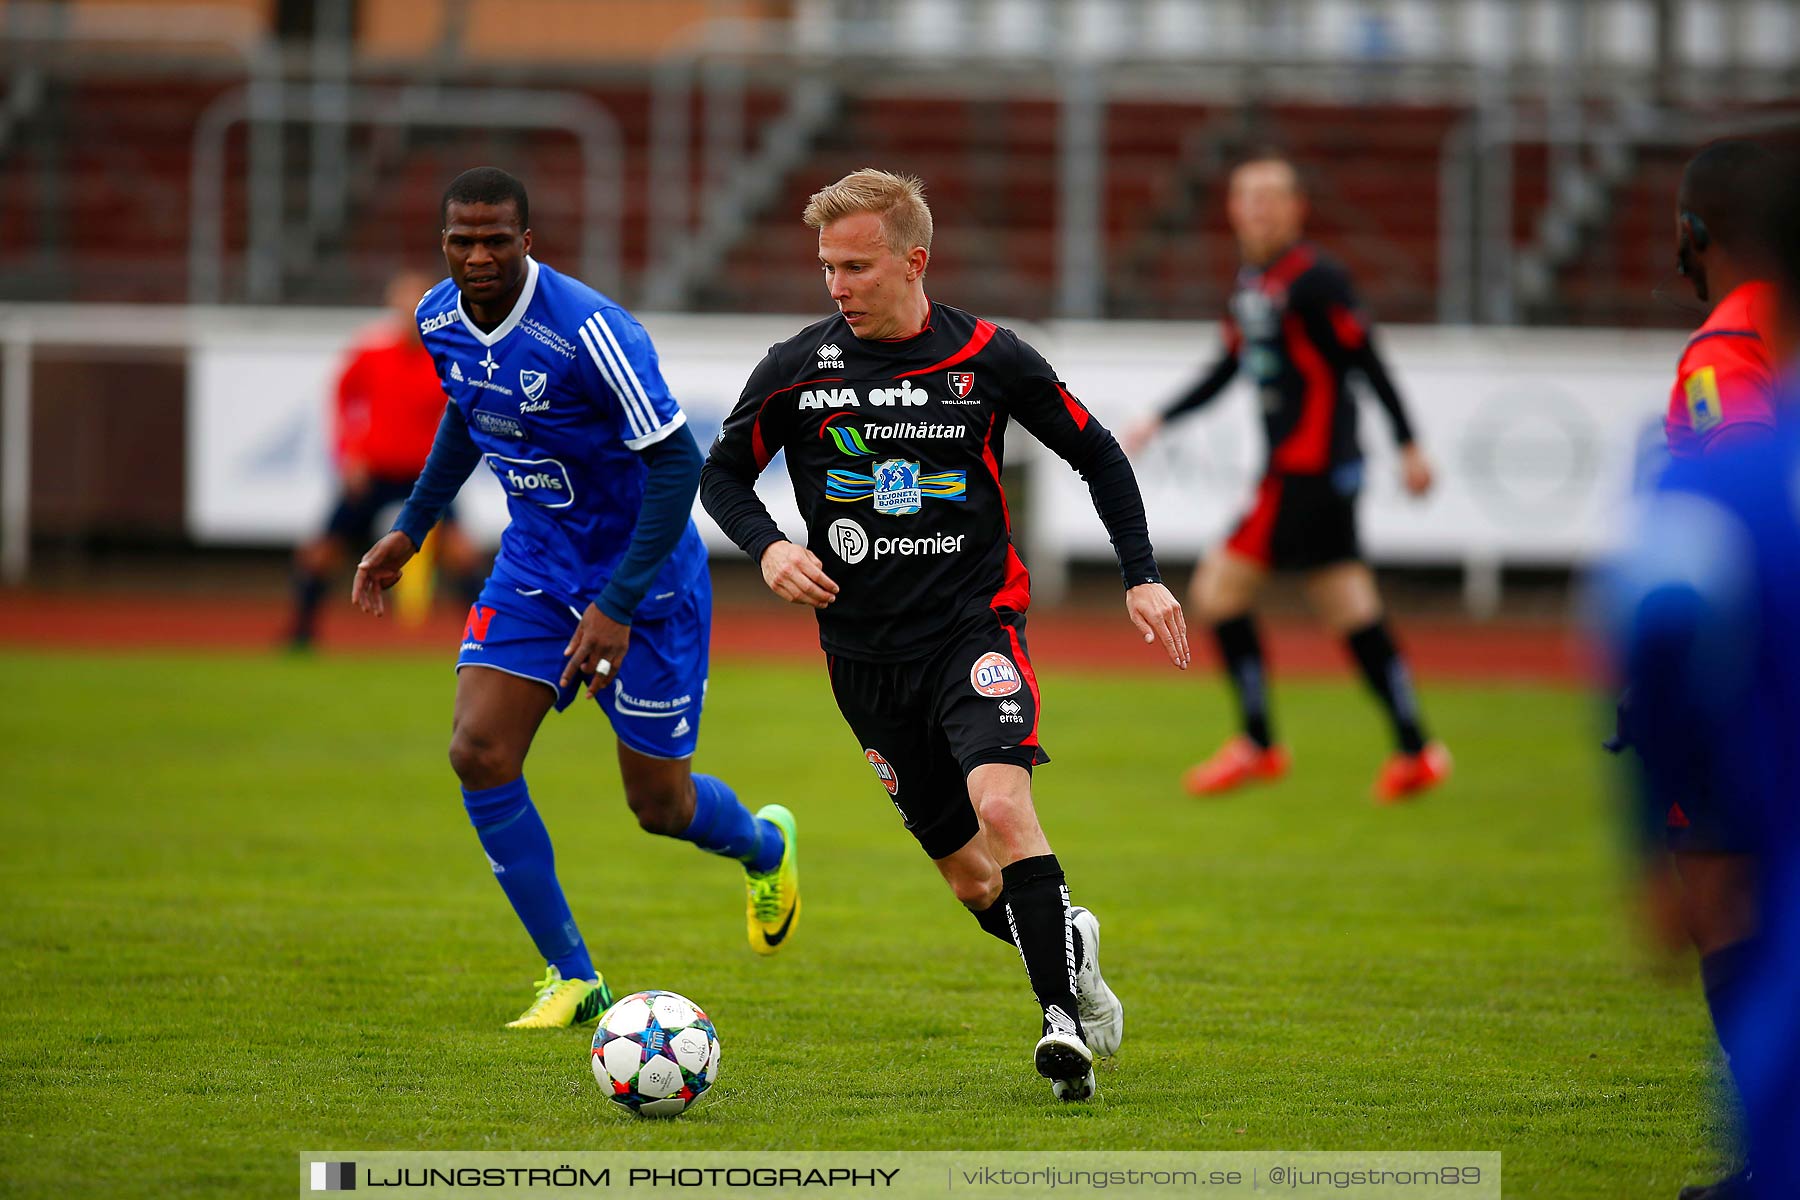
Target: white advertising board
1532 432
1533 436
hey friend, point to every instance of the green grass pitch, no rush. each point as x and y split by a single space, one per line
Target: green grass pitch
245 915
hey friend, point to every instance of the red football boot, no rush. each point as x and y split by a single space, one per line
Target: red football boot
1406 775
1238 762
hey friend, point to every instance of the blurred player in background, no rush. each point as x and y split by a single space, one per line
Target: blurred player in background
1725 383
601 576
387 412
893 414
1295 323
1724 399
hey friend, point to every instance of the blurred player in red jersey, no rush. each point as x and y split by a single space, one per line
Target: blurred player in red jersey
1296 327
388 407
1725 393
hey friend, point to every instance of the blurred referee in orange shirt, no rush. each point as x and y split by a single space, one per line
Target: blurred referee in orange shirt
388 407
1704 890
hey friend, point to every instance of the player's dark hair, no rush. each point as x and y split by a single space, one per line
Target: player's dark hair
486 185
1728 186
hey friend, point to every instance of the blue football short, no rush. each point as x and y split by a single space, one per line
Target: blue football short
655 698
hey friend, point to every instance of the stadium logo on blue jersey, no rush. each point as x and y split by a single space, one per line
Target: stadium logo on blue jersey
448 316
897 486
534 382
542 481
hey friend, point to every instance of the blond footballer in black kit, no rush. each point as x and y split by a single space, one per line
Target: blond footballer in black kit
893 414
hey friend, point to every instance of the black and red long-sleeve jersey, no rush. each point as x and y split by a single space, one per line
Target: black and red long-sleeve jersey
1295 326
895 449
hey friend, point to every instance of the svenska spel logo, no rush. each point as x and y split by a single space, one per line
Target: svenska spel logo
334 1177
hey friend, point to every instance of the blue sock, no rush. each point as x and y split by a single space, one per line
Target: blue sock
518 846
723 826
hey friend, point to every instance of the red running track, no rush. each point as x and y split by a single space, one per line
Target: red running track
1066 638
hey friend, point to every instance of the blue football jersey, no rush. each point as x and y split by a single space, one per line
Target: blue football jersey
558 398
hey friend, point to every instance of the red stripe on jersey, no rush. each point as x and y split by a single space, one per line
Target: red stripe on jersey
1015 588
757 446
1024 665
984 333
1349 327
1077 414
1307 450
993 466
1253 534
1288 268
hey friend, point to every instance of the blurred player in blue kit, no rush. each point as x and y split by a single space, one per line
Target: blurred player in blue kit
1699 610
601 579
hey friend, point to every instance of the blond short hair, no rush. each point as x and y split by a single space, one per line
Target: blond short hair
899 200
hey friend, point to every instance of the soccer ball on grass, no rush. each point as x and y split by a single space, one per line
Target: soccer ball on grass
655 1053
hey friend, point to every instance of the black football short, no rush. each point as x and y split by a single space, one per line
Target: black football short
1300 522
353 518
923 725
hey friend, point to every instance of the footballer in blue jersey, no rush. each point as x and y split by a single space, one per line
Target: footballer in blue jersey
601 581
1700 612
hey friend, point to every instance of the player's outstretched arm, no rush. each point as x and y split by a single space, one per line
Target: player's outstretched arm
380 570
1158 616
796 575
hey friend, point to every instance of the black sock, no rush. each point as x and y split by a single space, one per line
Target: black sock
993 922
992 919
308 591
1388 677
1037 906
1243 654
1723 974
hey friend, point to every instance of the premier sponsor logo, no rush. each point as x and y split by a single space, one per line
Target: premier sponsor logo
909 547
848 541
994 675
447 317
851 543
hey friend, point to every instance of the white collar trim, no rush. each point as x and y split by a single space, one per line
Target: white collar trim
512 318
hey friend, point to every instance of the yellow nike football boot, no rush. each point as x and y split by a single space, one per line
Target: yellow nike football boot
772 898
563 1002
